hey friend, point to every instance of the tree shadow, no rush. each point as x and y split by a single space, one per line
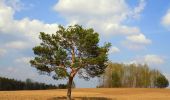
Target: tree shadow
82 98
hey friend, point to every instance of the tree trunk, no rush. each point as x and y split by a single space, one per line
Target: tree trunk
69 88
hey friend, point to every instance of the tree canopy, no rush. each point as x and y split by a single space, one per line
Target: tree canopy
71 50
161 82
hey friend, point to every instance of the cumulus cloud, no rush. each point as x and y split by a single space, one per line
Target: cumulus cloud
150 59
23 33
25 27
139 38
136 42
166 19
153 59
114 50
105 16
101 15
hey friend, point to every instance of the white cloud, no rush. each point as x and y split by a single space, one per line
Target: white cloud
136 42
23 60
139 38
83 7
16 45
139 9
15 4
2 52
150 59
101 15
166 19
153 59
133 46
25 27
105 16
114 50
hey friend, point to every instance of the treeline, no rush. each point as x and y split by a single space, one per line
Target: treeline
132 75
12 84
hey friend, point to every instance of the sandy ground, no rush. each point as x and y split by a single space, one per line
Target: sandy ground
89 94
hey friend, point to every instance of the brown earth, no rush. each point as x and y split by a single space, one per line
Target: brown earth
89 94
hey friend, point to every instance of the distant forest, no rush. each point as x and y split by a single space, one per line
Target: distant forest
116 75
7 84
132 75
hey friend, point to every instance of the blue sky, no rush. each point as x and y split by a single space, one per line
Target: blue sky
138 30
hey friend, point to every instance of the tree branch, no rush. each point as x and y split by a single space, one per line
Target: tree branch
73 56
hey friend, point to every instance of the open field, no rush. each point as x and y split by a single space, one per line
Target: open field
90 93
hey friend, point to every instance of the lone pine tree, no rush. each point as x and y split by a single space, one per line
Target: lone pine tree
70 51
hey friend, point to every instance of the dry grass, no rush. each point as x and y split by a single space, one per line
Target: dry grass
89 94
